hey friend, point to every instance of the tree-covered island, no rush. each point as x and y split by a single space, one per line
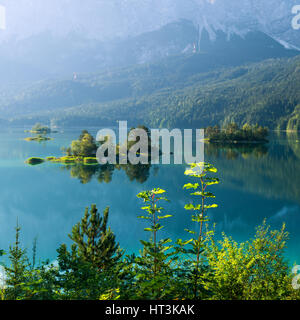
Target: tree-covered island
39 128
232 133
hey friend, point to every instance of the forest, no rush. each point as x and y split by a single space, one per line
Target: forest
176 92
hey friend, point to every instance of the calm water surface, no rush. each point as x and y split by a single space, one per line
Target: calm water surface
48 199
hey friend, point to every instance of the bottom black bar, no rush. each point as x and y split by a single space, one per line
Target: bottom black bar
150 309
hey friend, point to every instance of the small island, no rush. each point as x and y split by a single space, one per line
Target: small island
232 134
74 160
40 131
34 161
38 138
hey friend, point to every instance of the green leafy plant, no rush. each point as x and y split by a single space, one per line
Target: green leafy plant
158 256
199 171
251 270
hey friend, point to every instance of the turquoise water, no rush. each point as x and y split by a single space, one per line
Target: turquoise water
48 199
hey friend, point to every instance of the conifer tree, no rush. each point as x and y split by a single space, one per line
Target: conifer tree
96 242
16 273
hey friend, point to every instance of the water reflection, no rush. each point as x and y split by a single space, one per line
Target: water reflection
271 171
256 183
232 152
293 139
104 173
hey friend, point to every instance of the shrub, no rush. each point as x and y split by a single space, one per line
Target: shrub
51 158
253 270
34 161
68 160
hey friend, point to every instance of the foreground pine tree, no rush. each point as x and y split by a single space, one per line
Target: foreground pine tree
91 268
95 241
16 273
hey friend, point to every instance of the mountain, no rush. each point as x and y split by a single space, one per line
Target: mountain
55 38
119 19
253 46
140 79
228 80
46 56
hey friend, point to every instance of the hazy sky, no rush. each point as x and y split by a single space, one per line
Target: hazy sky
104 19
2 18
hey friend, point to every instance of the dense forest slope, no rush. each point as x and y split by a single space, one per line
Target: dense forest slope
223 83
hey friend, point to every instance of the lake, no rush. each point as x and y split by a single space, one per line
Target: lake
48 199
